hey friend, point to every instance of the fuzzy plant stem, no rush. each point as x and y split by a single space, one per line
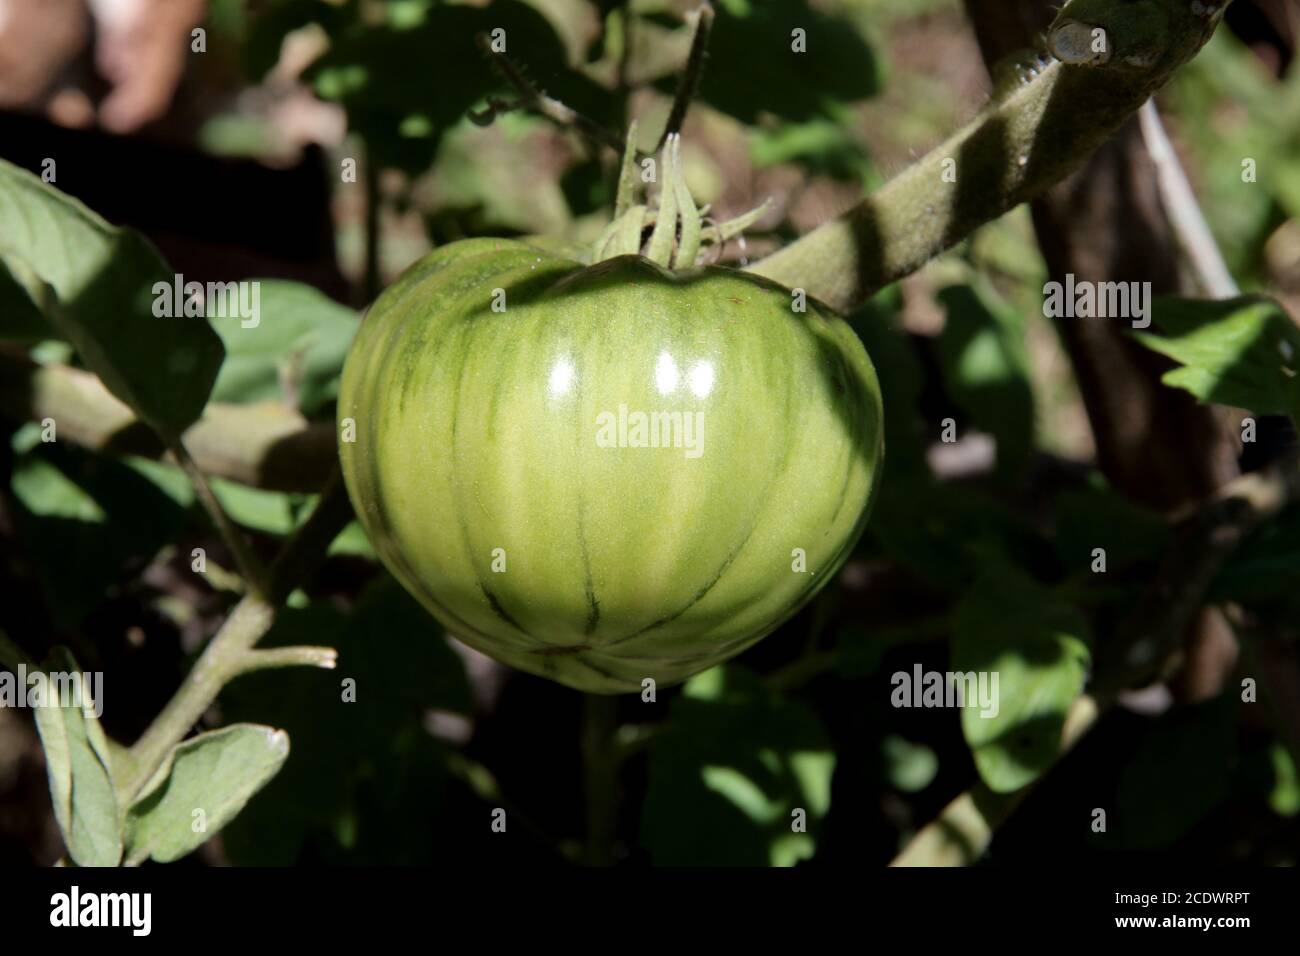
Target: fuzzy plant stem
221 660
231 652
1024 141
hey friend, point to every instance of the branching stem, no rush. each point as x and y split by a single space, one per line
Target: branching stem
231 652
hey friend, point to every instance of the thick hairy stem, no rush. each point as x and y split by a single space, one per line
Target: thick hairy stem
218 663
1027 139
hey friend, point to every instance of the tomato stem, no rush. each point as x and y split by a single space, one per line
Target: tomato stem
1021 144
231 652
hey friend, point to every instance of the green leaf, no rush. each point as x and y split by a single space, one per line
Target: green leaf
1243 352
727 775
1255 118
1011 628
79 768
208 779
102 279
271 512
982 355
300 341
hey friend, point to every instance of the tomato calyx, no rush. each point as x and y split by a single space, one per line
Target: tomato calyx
679 231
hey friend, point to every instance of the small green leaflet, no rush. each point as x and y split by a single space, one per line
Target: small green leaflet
78 765
1243 352
204 785
1012 627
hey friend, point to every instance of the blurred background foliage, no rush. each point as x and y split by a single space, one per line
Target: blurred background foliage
979 553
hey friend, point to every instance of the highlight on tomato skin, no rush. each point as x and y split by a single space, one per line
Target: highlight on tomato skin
607 473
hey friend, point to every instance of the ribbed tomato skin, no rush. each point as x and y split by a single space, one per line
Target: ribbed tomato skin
498 469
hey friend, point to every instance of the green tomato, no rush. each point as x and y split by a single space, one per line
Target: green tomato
607 473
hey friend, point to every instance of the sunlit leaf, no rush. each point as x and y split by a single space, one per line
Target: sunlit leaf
1243 352
102 280
204 785
1010 630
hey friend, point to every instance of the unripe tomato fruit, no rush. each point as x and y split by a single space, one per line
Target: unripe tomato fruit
507 406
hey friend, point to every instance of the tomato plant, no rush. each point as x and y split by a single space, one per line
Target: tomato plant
783 438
